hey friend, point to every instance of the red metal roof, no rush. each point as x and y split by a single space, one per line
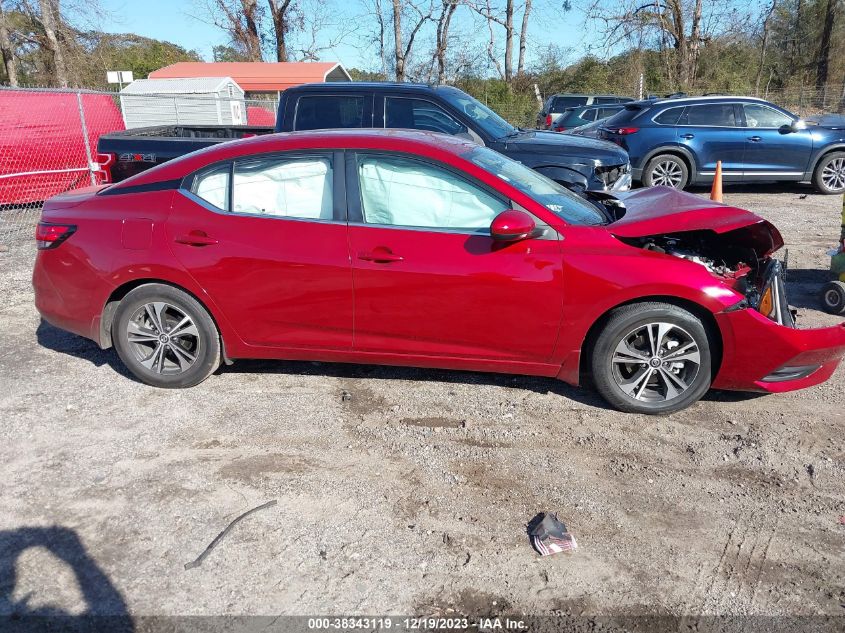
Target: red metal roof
254 76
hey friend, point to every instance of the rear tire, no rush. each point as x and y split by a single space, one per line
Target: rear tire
833 297
829 176
652 358
165 337
667 170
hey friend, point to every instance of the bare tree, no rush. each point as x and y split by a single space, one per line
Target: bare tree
50 18
678 25
322 29
494 16
447 10
241 20
7 50
764 43
280 11
422 14
823 57
523 38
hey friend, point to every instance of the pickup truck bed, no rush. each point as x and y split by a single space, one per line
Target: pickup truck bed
129 152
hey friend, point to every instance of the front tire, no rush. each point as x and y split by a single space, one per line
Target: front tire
165 337
652 358
667 170
829 176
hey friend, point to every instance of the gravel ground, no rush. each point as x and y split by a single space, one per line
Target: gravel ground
412 495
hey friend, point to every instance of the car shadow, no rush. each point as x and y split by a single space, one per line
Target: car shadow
105 607
538 384
64 342
798 189
804 287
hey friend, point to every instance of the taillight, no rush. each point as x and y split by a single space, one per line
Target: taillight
103 170
49 235
548 120
623 131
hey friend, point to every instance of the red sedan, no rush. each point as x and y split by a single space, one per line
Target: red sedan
410 248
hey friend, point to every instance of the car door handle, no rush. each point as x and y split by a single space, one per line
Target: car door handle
196 238
688 136
380 256
755 139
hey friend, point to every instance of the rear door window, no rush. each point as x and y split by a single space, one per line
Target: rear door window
317 112
709 115
588 115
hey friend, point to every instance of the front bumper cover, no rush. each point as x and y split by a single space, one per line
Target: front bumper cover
761 355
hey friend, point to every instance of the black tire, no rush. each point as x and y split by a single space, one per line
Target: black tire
668 170
627 328
829 175
833 297
174 341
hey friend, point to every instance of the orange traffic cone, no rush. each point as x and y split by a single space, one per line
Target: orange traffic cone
716 189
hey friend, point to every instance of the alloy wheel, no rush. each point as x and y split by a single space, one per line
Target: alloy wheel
163 338
833 174
667 173
656 362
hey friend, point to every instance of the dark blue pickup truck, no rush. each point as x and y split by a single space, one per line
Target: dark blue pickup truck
577 162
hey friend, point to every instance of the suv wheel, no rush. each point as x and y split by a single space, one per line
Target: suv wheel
652 358
829 176
667 170
165 337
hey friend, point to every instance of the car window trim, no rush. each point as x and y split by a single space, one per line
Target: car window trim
353 192
335 157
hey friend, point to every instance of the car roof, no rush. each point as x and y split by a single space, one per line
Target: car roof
704 99
334 86
406 141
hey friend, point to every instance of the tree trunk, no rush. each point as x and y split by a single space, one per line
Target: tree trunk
397 41
279 13
823 58
381 33
763 45
449 7
50 16
523 33
509 40
7 50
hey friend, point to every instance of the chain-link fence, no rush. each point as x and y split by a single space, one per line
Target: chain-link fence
48 139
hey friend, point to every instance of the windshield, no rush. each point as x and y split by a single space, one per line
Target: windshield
486 119
555 197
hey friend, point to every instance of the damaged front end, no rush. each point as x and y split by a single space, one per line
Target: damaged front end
740 258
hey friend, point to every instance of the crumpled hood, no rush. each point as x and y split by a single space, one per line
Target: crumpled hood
664 210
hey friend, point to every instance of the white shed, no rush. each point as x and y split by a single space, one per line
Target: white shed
196 101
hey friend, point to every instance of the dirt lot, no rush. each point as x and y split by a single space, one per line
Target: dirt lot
413 495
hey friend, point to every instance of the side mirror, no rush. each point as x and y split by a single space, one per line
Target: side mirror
786 128
512 225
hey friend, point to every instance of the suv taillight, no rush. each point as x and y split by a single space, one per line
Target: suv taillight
623 131
48 235
548 120
103 170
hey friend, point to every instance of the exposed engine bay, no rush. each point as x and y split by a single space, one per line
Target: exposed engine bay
737 258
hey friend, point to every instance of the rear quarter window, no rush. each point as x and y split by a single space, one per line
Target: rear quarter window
669 116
